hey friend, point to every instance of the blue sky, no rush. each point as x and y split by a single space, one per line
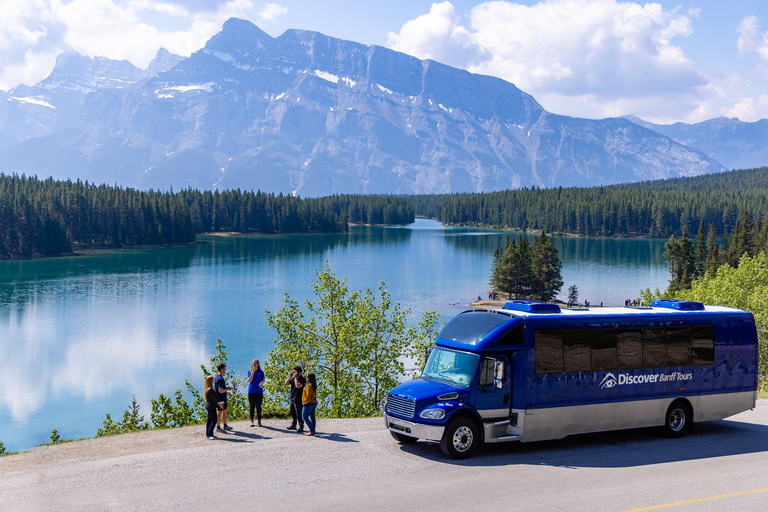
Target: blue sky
666 61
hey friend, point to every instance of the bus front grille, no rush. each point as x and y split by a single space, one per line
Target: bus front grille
404 407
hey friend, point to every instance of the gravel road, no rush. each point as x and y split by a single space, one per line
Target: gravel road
356 465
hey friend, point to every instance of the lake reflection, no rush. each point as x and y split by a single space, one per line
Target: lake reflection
79 335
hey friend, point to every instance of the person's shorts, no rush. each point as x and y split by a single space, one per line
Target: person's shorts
224 399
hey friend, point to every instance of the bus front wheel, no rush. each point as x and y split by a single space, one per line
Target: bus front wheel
678 420
402 438
460 438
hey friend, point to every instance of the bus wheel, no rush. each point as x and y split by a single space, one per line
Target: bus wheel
460 438
403 439
678 419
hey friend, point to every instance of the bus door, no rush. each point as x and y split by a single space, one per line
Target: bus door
493 392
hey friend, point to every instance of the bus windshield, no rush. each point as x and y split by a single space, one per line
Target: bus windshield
450 366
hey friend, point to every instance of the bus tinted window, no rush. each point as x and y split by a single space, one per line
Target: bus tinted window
603 349
702 345
678 346
654 347
629 344
470 327
625 348
549 351
576 352
513 337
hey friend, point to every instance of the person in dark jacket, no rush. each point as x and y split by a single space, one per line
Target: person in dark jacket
211 406
296 381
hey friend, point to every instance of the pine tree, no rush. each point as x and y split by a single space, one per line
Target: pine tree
546 269
520 270
713 256
700 252
573 294
679 254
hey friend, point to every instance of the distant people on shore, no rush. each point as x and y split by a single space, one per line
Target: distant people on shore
211 406
221 388
256 381
309 403
296 381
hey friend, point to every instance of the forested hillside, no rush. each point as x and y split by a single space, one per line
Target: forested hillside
651 208
45 218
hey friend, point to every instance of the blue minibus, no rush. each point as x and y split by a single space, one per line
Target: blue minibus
531 371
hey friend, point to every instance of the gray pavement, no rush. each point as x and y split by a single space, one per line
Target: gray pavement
356 465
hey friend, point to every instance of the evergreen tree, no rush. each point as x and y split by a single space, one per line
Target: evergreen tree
700 252
681 259
713 256
573 294
520 271
546 269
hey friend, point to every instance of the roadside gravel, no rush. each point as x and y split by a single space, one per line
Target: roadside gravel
356 465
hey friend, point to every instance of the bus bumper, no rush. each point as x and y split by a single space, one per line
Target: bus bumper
418 430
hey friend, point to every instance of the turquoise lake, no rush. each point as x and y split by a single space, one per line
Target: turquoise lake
80 335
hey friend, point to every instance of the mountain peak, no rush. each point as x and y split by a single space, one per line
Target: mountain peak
163 61
238 34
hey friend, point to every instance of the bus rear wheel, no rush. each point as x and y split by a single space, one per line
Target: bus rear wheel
460 438
403 439
678 420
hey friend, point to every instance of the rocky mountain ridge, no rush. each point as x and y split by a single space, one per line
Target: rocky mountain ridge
735 144
309 114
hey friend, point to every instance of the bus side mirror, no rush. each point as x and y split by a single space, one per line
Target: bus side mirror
488 372
498 374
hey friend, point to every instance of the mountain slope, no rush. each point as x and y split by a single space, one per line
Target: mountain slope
734 143
306 113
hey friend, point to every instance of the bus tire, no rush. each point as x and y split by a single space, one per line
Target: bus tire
403 439
460 438
678 419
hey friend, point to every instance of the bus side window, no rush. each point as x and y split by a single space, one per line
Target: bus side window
576 351
629 343
678 346
702 344
549 351
603 349
654 347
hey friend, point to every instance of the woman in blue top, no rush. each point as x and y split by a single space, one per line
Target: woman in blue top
255 389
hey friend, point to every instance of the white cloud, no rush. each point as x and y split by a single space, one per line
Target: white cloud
437 35
30 39
33 32
586 57
751 39
271 12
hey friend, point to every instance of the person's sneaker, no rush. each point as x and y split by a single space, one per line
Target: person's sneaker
309 434
253 425
219 429
291 427
259 423
211 437
227 427
300 431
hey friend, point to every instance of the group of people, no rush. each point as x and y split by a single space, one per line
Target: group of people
303 399
631 302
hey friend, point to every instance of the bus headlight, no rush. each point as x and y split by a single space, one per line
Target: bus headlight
432 414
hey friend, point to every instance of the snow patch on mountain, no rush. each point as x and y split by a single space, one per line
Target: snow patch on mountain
32 101
329 77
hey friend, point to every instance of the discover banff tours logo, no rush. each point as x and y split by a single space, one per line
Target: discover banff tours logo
610 380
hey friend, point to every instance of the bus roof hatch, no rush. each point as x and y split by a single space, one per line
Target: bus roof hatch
530 306
682 305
